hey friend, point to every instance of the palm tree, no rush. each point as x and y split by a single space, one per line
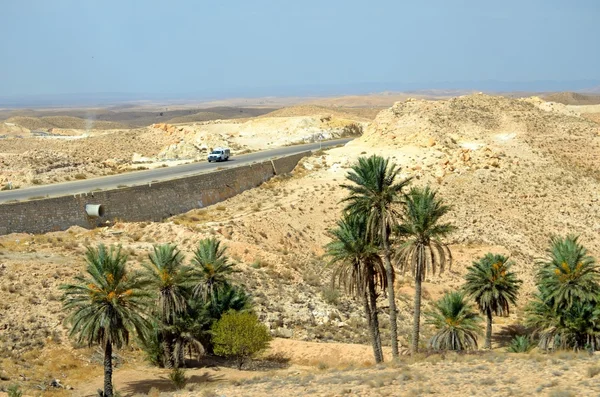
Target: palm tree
494 287
374 194
359 269
169 278
422 249
106 305
576 327
569 274
565 310
456 323
210 268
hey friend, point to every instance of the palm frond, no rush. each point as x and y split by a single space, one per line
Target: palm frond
169 278
420 249
211 268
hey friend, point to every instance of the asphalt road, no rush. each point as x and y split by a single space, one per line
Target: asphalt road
159 174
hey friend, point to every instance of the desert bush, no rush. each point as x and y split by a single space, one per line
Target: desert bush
312 278
9 186
178 378
520 344
562 393
239 336
331 295
80 176
352 130
257 264
14 391
593 371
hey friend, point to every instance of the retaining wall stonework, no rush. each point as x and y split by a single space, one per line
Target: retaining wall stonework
151 202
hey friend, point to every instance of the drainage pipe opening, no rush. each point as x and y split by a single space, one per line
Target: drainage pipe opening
94 210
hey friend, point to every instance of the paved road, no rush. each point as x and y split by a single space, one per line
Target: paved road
158 174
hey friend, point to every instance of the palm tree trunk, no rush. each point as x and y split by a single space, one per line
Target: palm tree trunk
108 388
389 270
169 362
417 316
488 331
374 322
374 342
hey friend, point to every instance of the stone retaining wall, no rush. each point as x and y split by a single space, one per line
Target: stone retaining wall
151 202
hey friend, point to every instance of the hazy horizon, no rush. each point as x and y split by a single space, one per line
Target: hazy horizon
145 50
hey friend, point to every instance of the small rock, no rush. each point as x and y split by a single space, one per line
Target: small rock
285 332
4 375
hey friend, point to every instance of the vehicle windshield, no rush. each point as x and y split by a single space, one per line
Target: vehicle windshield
216 152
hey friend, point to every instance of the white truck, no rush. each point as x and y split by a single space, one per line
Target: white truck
219 154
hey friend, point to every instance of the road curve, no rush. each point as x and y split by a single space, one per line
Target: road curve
159 174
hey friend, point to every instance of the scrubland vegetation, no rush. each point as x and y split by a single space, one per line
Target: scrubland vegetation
179 312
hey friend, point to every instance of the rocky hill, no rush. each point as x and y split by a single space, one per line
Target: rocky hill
573 98
516 171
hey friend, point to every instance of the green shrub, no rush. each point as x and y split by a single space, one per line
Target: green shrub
239 336
331 295
152 347
177 376
80 176
520 344
14 391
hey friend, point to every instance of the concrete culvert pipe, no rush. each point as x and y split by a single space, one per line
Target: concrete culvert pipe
94 210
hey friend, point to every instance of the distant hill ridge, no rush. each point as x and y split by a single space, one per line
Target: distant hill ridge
573 98
67 122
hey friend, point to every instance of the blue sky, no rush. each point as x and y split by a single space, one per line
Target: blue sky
229 47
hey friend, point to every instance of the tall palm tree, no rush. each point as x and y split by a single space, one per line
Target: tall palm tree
167 276
359 269
456 322
210 268
422 249
569 274
106 305
494 287
374 194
